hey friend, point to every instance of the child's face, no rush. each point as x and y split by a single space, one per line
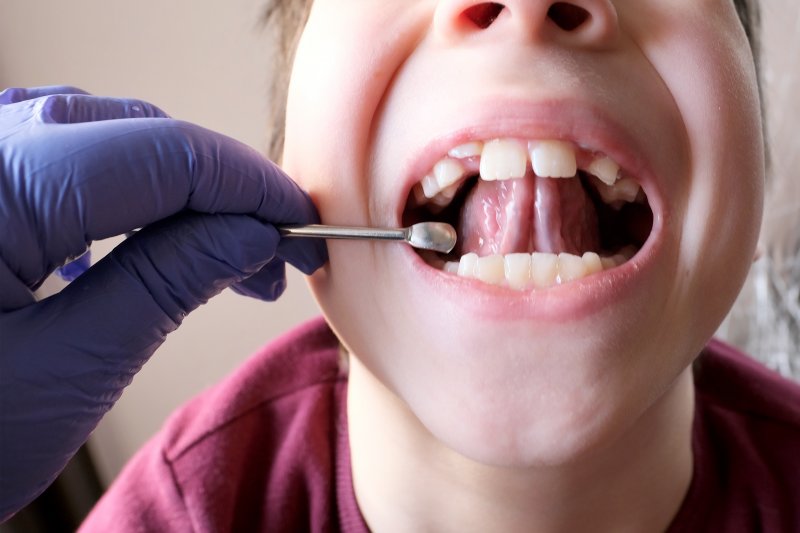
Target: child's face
382 91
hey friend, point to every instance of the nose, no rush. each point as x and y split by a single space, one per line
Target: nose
581 23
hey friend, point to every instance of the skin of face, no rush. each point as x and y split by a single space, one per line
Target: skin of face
381 90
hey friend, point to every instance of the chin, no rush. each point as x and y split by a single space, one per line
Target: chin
508 392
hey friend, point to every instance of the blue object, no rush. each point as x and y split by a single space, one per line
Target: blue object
73 269
75 168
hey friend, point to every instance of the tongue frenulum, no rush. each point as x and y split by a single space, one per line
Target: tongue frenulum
528 215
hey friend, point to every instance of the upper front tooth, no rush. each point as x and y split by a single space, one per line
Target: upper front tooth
605 169
470 149
503 159
447 172
553 159
570 267
544 269
466 267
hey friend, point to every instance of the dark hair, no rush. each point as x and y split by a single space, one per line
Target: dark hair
749 14
286 19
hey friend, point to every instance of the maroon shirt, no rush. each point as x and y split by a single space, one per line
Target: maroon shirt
267 450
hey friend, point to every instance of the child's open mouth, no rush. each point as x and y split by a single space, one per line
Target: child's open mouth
531 214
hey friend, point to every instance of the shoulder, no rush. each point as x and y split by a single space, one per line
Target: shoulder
746 437
732 384
300 367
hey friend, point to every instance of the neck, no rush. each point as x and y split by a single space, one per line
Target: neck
636 483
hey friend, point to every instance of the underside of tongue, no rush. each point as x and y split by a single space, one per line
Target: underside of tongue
529 215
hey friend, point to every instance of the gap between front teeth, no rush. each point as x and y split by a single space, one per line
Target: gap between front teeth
538 270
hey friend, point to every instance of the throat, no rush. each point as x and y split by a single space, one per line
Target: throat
637 483
529 215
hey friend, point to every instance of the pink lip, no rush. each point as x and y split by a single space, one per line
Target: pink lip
556 119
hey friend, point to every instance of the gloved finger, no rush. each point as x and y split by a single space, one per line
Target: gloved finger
101 179
77 108
66 359
187 258
306 255
15 293
267 284
13 95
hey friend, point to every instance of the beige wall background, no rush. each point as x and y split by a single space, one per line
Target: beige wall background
206 62
200 61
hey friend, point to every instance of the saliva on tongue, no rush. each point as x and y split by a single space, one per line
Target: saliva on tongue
529 215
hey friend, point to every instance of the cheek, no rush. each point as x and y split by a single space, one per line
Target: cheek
324 121
710 73
337 86
726 195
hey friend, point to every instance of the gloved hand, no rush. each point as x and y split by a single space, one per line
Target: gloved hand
74 168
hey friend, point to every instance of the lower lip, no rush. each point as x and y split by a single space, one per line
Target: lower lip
572 301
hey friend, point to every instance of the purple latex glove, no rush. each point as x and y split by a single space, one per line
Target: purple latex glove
74 168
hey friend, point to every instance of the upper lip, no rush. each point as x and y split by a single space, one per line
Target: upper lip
571 120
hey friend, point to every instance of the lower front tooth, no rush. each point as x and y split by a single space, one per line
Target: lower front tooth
521 271
518 270
570 267
490 269
466 267
544 269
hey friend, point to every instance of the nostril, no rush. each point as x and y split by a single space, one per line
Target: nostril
482 15
568 16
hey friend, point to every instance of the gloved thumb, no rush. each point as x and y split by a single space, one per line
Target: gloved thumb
67 358
186 259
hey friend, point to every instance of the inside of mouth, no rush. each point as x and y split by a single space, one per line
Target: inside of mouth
536 214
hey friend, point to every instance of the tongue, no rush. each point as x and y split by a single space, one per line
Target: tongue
528 215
